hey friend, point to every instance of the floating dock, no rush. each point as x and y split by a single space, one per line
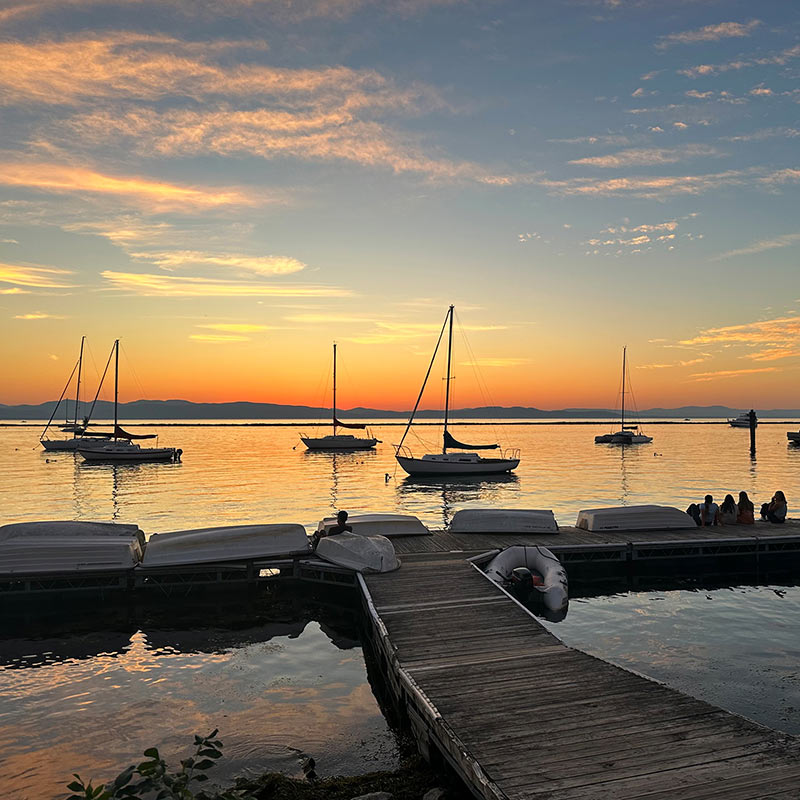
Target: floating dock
519 715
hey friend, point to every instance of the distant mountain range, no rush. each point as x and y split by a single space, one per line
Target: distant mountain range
184 409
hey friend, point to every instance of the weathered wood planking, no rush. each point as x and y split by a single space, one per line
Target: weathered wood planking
522 716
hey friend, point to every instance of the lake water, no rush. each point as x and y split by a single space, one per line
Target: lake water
287 677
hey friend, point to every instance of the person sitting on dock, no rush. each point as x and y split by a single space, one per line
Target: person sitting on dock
341 526
709 512
746 510
775 510
728 512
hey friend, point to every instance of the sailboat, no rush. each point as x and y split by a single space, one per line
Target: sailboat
340 441
449 463
627 434
77 428
120 445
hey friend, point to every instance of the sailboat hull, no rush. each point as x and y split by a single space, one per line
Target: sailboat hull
339 442
623 437
456 464
60 445
115 452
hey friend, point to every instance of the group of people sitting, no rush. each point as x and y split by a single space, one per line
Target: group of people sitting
733 513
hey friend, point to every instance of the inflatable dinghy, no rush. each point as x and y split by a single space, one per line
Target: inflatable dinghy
548 578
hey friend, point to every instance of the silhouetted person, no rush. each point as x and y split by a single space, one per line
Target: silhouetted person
746 510
728 512
341 526
709 512
775 510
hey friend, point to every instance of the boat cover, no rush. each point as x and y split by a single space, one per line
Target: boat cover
380 525
634 518
358 552
231 543
449 441
503 520
58 547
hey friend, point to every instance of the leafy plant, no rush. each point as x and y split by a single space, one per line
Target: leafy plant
153 779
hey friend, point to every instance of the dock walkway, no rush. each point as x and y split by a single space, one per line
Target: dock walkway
520 715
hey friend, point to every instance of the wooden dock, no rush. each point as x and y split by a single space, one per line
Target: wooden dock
520 715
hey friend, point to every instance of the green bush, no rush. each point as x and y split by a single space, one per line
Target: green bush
152 778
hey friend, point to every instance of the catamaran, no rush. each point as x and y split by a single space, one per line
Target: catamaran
120 446
452 463
627 434
340 441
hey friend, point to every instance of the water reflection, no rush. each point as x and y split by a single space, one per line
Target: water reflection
341 465
451 494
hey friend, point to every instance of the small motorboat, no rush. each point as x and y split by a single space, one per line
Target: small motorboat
66 547
531 572
793 436
229 543
742 421
634 518
358 552
503 520
379 525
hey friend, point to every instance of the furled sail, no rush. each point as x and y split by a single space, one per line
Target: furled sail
358 425
449 441
121 434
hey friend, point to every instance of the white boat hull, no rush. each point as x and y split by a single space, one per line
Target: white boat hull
387 525
623 437
503 520
127 453
338 443
449 464
634 518
361 553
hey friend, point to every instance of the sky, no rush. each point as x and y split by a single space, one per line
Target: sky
229 186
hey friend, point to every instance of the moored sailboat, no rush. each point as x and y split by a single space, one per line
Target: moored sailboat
340 441
452 463
120 446
627 434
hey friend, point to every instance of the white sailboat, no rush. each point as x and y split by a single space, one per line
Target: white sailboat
452 463
77 428
120 447
340 441
627 434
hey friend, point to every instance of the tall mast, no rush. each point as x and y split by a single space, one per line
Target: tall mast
623 387
78 389
116 384
334 388
447 390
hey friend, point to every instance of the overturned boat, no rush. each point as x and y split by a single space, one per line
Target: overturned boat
224 544
531 572
361 553
379 525
634 518
68 547
503 520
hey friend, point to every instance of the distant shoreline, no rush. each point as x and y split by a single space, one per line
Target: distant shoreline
431 423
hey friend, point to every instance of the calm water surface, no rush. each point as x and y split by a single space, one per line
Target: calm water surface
90 696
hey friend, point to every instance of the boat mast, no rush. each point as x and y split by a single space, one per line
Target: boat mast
78 389
334 388
623 388
447 390
116 384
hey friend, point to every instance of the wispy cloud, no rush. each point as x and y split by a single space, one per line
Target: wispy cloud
261 265
764 133
171 286
211 338
34 277
728 373
780 58
38 315
238 327
710 33
645 156
496 362
786 240
159 195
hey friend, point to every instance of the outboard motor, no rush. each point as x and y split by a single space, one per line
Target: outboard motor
521 583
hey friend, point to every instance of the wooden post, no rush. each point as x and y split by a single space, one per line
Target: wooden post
753 423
